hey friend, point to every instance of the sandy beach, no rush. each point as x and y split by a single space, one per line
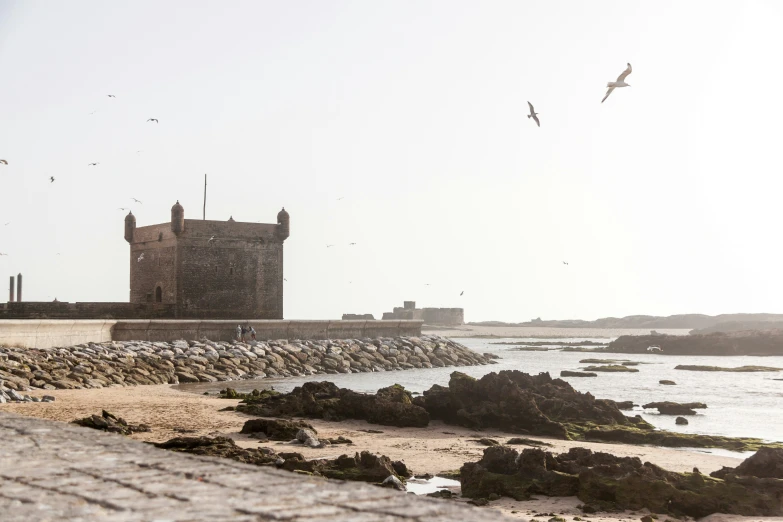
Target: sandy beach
437 448
538 332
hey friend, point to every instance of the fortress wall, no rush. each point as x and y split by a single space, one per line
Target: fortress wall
63 310
171 330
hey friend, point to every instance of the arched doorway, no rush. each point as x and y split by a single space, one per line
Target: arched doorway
158 295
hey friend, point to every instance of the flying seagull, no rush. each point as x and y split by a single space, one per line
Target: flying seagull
111 96
619 83
533 114
51 179
4 162
338 199
2 254
352 244
137 201
329 246
93 164
211 239
153 119
565 263
141 257
462 292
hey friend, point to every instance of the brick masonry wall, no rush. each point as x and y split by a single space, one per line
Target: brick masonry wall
239 273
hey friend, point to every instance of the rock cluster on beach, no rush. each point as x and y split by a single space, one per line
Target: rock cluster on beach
364 466
113 424
606 482
11 395
391 406
141 362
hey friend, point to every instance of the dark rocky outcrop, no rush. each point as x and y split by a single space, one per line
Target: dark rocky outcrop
604 481
740 369
275 429
675 408
623 405
391 406
667 382
681 421
109 422
363 466
765 463
517 402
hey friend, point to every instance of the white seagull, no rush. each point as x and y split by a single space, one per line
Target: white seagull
141 257
211 239
4 162
619 83
533 114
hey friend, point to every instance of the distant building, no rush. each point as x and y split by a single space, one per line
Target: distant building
209 269
433 316
358 317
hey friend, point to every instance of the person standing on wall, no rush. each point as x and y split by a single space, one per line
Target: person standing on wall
252 333
244 331
239 333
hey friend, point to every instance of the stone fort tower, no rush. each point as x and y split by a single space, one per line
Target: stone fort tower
208 269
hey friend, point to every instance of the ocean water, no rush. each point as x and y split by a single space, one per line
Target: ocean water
739 404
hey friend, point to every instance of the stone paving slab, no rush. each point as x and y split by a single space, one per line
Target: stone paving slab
53 471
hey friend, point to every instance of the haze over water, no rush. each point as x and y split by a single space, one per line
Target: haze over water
739 404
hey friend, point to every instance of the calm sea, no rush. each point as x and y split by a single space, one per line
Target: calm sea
739 404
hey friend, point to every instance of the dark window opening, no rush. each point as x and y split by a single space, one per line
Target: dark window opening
158 295
231 270
215 270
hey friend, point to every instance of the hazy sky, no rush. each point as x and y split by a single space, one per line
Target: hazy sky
664 199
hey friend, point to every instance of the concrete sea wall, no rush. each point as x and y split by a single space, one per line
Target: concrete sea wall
49 333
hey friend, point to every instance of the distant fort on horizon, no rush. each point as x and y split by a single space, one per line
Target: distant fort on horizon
186 269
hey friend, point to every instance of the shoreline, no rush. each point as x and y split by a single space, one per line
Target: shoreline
435 449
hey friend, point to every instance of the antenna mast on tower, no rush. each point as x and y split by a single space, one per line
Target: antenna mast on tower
204 215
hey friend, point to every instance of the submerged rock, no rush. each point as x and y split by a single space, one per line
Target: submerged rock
569 373
681 420
604 481
675 408
109 422
667 382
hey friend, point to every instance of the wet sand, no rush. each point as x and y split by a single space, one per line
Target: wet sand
437 448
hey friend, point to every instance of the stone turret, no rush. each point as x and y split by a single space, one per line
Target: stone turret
177 218
130 227
283 225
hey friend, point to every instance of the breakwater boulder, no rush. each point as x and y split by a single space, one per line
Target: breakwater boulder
141 362
604 481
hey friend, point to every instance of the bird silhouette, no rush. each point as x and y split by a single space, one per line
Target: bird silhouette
141 257
619 83
462 292
338 199
565 263
93 164
2 254
111 96
51 179
122 208
533 114
153 119
137 201
4 162
352 244
211 239
329 246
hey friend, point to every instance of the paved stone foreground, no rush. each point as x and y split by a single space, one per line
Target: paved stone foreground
56 471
